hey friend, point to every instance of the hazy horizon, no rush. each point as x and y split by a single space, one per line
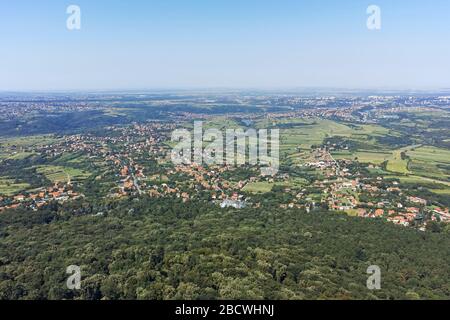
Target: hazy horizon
217 90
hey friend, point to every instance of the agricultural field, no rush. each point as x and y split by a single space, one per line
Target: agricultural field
300 135
71 157
364 156
397 164
432 154
421 180
8 186
20 147
158 178
15 155
258 187
430 162
265 187
309 133
118 112
62 174
441 191
221 123
423 164
29 141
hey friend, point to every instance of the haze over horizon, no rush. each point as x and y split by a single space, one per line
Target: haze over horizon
224 44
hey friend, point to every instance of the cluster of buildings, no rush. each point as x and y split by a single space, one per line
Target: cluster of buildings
40 197
134 154
10 110
370 197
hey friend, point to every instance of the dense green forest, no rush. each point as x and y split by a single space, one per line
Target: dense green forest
159 249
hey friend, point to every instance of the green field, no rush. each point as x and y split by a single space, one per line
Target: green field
221 123
310 133
13 148
423 180
29 141
430 154
15 155
441 191
352 212
364 156
296 141
397 164
258 187
62 174
8 187
430 162
264 187
422 162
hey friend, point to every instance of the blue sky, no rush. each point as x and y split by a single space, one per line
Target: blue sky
224 43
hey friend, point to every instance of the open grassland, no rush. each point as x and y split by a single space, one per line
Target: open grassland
433 154
258 187
221 123
118 112
8 186
265 187
295 182
352 212
430 162
428 169
422 161
311 132
397 164
363 156
72 158
394 160
297 139
62 174
442 191
29 141
13 148
418 180
15 155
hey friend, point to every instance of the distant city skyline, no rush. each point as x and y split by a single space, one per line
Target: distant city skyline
175 44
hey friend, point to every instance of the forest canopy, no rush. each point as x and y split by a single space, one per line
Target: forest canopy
148 249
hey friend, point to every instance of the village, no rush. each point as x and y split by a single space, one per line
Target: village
40 197
346 191
135 160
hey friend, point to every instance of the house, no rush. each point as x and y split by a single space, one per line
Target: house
417 200
399 220
379 213
413 210
19 197
362 212
124 172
